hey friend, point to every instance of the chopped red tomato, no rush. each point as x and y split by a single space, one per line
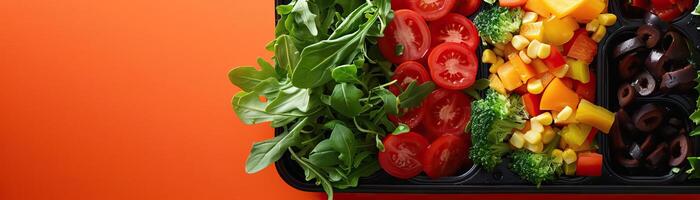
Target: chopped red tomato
432 10
454 28
445 156
447 111
453 66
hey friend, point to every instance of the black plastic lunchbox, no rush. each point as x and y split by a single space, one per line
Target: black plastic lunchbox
613 180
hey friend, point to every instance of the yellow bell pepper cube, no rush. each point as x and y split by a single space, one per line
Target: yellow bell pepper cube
538 7
578 70
596 116
496 84
488 56
548 134
588 11
509 76
562 8
574 135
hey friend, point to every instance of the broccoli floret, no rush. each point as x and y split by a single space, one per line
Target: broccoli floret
492 120
497 24
534 167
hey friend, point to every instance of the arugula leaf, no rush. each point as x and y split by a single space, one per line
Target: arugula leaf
290 98
286 53
695 116
247 78
343 141
414 95
312 172
346 99
251 110
351 23
401 129
379 143
323 155
694 164
305 16
391 102
266 152
345 74
697 10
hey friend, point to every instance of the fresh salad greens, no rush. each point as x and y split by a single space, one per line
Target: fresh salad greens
497 24
326 91
697 10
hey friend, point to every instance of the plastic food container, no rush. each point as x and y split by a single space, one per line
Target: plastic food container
615 179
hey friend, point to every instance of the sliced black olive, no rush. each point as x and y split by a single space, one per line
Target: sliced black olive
658 156
679 80
669 131
629 66
655 21
626 123
625 95
655 63
679 150
649 117
635 151
618 142
647 144
626 162
649 34
675 46
628 46
645 84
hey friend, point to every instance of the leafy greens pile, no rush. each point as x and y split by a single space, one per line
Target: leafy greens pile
326 91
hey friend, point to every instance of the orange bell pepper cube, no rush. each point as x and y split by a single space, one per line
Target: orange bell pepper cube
512 3
589 10
526 71
538 7
557 96
509 76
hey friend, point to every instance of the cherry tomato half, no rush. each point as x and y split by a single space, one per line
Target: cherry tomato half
453 66
432 9
445 156
402 154
406 38
454 28
405 74
467 7
447 111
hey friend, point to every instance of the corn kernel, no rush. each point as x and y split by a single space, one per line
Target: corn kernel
564 114
517 140
532 48
533 137
599 34
569 156
537 147
520 42
556 154
561 72
534 86
548 135
543 51
607 19
544 118
523 56
488 56
498 52
593 25
529 17
494 67
536 126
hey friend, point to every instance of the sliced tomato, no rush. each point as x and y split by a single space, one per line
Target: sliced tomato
512 3
445 156
532 103
661 4
452 66
683 5
667 14
447 111
587 90
643 4
402 154
406 37
454 28
405 74
432 10
589 164
399 4
467 7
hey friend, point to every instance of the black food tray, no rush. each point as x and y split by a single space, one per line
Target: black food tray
501 180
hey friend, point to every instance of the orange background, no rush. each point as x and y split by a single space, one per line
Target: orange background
130 100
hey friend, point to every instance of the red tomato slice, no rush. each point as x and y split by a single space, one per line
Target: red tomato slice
453 66
447 111
590 164
399 4
408 33
405 74
402 154
445 156
467 7
661 4
432 9
454 28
